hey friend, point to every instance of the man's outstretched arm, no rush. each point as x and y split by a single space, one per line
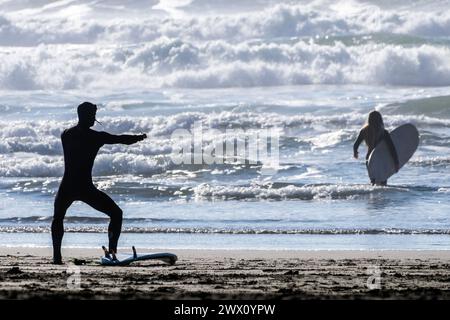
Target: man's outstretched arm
108 138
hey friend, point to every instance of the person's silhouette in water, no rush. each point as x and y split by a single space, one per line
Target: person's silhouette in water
373 133
81 144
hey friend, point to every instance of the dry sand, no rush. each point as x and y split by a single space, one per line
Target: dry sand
222 274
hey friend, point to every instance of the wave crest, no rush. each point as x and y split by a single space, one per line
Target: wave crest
272 45
231 231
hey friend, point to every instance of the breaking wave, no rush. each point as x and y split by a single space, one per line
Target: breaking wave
182 64
245 231
270 45
32 148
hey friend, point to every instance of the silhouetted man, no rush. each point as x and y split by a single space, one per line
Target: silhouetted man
81 144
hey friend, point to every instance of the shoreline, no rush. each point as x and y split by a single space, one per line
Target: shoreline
91 252
229 274
284 242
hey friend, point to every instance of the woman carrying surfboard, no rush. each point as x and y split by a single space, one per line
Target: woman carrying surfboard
373 133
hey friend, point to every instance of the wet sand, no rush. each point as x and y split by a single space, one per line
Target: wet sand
221 274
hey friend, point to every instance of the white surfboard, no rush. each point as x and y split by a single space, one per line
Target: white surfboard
126 259
381 164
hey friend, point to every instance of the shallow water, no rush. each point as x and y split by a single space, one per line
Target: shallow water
319 189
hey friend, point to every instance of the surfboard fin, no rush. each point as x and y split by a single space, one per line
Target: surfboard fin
134 252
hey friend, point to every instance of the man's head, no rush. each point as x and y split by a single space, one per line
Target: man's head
86 114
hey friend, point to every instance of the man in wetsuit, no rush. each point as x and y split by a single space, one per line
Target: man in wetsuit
80 145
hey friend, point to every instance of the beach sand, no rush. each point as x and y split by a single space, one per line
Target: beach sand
229 274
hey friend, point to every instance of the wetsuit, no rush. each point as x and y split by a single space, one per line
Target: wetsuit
81 146
363 135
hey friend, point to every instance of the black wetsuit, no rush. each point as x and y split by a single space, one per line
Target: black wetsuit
81 146
363 135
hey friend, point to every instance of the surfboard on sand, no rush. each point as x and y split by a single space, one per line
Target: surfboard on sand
381 164
126 259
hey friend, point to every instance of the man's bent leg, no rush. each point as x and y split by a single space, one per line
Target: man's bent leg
103 203
62 203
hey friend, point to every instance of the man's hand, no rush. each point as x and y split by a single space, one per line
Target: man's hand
132 139
355 154
141 137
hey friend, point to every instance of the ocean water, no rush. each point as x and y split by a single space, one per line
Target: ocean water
309 70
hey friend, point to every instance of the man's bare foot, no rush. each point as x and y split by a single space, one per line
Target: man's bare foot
113 254
107 255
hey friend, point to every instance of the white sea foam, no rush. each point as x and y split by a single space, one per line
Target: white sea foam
32 165
431 161
270 45
306 192
266 20
444 190
177 63
33 148
43 136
